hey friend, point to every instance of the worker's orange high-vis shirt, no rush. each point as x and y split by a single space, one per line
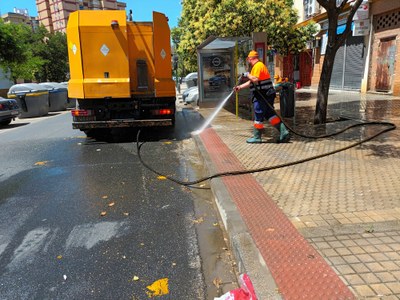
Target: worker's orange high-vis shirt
260 71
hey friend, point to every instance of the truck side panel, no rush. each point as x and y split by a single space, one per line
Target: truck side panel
75 86
164 85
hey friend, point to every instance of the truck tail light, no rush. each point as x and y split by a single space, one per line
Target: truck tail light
162 112
81 112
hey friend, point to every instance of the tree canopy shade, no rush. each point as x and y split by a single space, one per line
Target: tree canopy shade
234 18
32 55
334 42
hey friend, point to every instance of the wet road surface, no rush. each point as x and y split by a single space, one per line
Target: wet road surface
81 218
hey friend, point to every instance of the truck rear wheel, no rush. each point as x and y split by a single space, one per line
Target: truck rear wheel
97 133
173 121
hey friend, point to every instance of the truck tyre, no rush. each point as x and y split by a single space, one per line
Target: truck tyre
5 122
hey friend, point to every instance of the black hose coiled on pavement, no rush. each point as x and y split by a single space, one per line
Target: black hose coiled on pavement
390 126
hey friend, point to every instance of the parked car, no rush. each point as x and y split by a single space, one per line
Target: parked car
191 79
190 76
9 110
193 96
217 80
186 92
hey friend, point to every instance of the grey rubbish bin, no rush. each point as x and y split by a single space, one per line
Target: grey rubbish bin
32 98
58 96
286 99
71 102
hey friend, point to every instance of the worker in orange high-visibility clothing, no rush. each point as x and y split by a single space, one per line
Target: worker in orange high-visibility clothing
260 79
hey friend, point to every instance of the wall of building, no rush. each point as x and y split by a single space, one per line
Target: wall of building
316 73
386 25
388 12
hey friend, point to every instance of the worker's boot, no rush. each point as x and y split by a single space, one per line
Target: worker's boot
284 135
256 136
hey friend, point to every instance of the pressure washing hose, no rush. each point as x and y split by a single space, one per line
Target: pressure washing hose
262 169
389 127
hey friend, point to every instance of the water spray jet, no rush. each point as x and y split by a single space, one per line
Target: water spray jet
213 115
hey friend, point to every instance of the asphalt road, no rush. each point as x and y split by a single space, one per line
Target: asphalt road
83 219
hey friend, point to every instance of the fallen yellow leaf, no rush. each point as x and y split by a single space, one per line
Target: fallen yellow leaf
104 197
167 143
135 278
59 256
103 213
217 282
199 220
111 204
41 163
158 288
161 177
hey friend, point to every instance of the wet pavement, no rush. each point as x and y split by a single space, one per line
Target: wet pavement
328 228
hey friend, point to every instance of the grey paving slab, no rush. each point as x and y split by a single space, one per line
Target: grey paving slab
347 205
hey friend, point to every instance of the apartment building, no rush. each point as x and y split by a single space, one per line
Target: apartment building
368 61
20 16
53 14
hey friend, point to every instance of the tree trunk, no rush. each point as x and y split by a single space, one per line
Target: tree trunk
334 42
323 87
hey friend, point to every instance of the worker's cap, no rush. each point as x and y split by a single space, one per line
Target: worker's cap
252 53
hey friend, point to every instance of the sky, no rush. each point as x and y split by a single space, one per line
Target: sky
141 9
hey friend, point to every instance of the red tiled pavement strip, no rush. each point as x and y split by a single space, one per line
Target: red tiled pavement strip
298 269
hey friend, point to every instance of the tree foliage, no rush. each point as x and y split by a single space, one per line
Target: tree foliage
228 18
32 55
335 40
55 67
11 50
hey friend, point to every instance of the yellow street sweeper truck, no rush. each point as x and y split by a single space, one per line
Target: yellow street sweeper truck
121 71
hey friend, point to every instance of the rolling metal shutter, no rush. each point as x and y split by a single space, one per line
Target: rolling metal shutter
337 72
348 68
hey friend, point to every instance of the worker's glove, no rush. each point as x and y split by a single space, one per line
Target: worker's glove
246 74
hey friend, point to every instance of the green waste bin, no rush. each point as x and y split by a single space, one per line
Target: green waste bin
286 99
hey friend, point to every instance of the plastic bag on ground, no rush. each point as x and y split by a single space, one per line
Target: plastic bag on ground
245 292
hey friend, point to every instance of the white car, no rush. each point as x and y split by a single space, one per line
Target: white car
187 91
193 95
191 79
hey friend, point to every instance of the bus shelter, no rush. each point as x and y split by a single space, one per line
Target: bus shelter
220 60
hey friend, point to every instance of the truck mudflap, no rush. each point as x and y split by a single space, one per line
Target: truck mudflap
121 123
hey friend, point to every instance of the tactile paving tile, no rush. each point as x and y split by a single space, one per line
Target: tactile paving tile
298 269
